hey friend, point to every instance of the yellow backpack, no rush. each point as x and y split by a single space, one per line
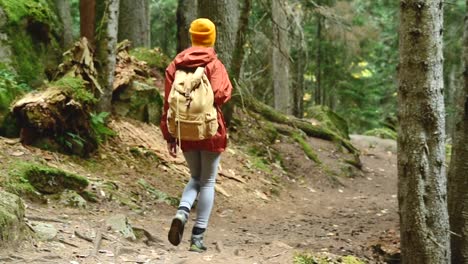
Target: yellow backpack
192 115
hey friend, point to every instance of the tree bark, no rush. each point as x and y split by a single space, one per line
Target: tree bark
64 12
106 51
301 61
457 176
239 50
134 22
318 70
87 19
225 15
186 13
422 186
280 58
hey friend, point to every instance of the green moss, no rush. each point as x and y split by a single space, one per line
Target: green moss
257 159
76 87
27 57
38 10
329 120
154 57
51 180
12 227
310 153
385 133
33 30
29 179
17 183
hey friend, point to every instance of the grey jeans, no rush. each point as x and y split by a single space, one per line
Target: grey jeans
203 169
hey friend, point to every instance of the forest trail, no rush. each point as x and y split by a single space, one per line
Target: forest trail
357 216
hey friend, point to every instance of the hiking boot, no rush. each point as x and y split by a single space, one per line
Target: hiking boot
177 228
196 244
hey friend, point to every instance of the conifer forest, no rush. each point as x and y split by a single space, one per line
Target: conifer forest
340 129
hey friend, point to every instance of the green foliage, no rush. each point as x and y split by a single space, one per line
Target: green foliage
71 141
304 259
154 57
448 153
382 133
98 124
10 88
76 87
164 26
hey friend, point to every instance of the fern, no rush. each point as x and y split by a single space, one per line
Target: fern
98 125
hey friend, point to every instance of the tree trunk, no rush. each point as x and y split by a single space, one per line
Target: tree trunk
87 19
225 15
318 70
241 37
280 57
301 61
421 149
106 51
186 13
64 12
457 176
134 22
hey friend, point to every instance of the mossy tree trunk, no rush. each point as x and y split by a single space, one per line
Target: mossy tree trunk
422 188
108 13
314 131
457 176
134 22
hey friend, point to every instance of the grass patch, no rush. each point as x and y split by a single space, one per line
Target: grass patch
306 258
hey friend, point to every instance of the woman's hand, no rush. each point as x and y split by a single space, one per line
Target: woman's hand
172 148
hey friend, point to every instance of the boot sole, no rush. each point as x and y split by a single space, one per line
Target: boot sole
176 231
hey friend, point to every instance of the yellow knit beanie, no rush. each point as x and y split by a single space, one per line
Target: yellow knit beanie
203 32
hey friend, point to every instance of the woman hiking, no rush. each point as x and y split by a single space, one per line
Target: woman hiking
203 153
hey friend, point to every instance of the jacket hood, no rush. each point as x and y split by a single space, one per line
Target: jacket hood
195 57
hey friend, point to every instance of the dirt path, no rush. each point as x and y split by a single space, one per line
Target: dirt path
307 216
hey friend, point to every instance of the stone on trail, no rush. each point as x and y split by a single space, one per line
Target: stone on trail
44 231
119 223
12 225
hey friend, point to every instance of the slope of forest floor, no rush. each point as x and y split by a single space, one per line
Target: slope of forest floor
264 212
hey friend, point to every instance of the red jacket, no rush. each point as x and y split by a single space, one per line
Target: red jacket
222 88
